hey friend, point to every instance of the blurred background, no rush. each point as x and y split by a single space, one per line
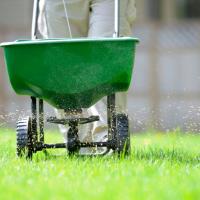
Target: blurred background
165 90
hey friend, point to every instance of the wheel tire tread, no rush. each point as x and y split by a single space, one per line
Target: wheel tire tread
22 139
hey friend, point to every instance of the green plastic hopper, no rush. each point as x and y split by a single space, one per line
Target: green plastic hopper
70 73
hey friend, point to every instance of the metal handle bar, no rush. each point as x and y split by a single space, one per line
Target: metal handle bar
34 20
116 17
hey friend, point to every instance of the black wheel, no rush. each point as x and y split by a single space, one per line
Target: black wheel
24 140
122 135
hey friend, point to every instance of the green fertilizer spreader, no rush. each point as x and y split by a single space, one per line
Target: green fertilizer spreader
70 74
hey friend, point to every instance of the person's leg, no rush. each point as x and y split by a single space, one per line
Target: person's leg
101 24
52 22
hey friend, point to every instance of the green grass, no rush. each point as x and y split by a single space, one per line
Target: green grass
162 166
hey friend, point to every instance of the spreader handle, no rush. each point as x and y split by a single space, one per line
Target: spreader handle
34 20
116 18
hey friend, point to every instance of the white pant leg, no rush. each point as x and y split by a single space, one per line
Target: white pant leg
52 22
101 24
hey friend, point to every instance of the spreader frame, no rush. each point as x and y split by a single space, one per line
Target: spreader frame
38 139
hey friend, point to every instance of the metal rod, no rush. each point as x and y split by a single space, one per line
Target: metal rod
83 145
54 146
34 119
117 19
34 20
94 144
41 120
110 116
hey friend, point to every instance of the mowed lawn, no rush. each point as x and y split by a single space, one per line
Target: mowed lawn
162 166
